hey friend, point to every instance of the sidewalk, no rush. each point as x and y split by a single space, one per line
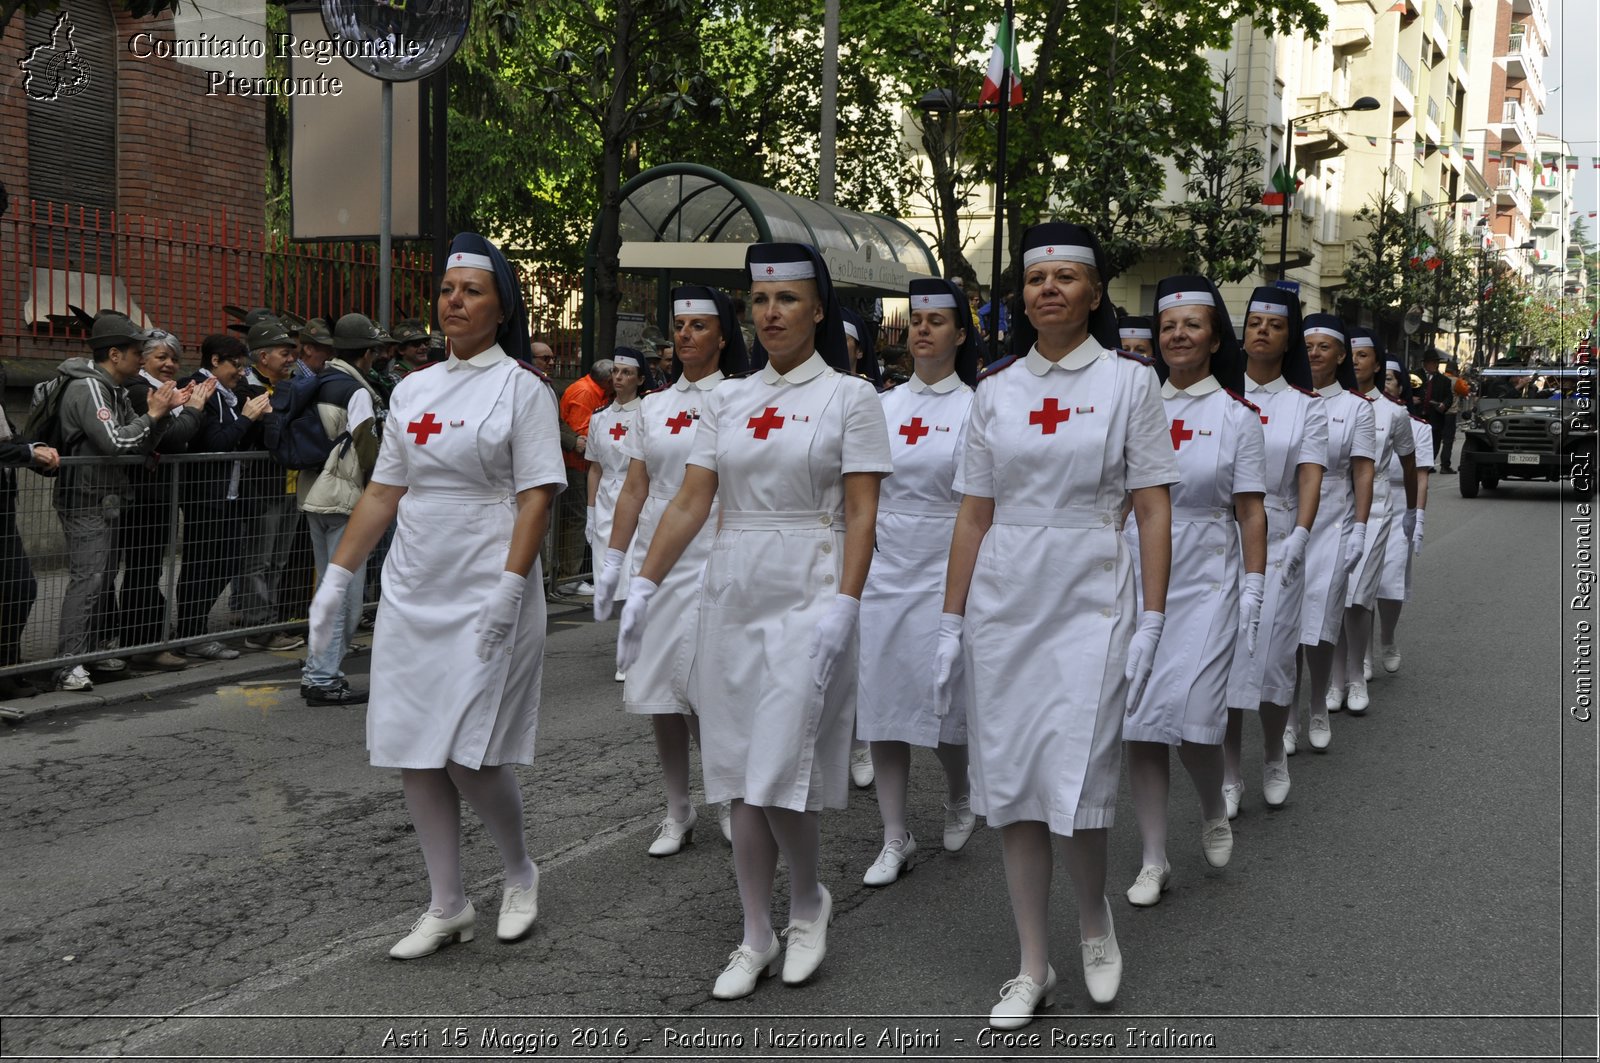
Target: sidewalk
249 666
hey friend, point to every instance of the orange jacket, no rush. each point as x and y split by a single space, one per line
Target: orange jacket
578 403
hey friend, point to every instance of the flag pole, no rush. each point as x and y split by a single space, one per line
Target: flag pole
1000 184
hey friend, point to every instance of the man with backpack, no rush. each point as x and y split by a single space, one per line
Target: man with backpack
87 409
328 428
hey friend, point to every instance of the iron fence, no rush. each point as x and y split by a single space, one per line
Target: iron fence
131 557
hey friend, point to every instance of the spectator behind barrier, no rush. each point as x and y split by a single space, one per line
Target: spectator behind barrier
17 586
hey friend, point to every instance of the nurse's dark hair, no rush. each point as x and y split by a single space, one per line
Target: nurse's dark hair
222 347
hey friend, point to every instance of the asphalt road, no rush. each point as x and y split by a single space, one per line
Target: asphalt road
220 875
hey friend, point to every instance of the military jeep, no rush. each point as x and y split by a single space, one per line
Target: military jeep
1531 423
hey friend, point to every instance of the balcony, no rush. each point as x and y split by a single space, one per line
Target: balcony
1512 191
1545 220
1540 13
1548 181
1458 65
1404 88
1431 126
1331 264
1514 125
1438 29
1524 60
1301 247
1353 25
1327 138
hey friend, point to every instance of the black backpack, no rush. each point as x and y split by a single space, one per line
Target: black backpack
293 431
44 413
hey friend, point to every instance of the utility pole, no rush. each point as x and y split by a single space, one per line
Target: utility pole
828 160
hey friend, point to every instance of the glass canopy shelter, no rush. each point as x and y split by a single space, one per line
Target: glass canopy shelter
688 224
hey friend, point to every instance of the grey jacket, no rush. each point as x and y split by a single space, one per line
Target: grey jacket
98 420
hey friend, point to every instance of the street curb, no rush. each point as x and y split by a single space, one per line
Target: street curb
200 674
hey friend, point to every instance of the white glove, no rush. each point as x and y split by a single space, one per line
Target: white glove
326 606
1294 555
1408 523
1353 547
1251 592
631 635
498 615
605 586
1416 533
946 661
833 636
1142 654
588 525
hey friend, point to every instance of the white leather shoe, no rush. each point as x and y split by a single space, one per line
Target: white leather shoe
1232 794
1335 699
1321 734
1275 784
1152 882
1391 658
959 821
1020 998
1216 838
1356 701
890 862
725 820
431 932
745 969
518 909
1102 964
621 676
1291 742
861 772
808 943
1366 666
672 835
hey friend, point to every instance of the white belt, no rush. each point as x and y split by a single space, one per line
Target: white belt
782 518
1074 517
457 497
1188 515
920 509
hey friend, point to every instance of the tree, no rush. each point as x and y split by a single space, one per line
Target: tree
136 8
1217 228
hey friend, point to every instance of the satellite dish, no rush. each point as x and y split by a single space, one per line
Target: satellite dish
1413 321
397 40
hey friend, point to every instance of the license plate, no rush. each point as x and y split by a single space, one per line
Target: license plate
1523 459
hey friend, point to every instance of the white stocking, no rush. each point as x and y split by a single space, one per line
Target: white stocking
496 796
1150 781
891 764
435 809
1028 860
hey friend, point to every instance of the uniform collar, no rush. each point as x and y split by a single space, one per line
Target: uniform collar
1204 386
1331 390
482 360
943 386
807 370
1373 393
1271 387
1080 356
705 383
626 407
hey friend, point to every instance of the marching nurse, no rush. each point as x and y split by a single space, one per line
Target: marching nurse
1211 604
608 461
895 706
1343 507
470 466
1137 334
1394 586
1040 621
710 348
794 454
1278 381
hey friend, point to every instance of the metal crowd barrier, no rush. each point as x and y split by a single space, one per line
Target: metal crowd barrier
201 548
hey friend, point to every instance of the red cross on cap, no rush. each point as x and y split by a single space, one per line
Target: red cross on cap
1177 297
770 271
1049 250
460 256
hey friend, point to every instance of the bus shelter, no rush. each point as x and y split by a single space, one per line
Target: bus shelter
683 223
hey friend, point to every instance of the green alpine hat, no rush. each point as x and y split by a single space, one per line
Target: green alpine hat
356 332
315 331
410 331
268 333
114 329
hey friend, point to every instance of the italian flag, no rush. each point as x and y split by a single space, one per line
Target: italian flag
1002 60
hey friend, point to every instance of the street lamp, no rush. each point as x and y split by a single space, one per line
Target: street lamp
1365 103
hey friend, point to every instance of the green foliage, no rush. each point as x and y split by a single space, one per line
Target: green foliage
1217 227
136 8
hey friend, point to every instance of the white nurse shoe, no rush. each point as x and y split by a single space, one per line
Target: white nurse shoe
890 862
673 835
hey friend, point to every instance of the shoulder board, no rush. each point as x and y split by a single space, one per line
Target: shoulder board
742 375
1307 392
1392 399
430 365
1242 401
1419 420
1133 357
529 366
997 367
1357 394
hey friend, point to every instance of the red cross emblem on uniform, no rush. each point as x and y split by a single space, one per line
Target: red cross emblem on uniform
1263 418
767 422
425 429
619 430
680 421
913 431
1048 416
1180 434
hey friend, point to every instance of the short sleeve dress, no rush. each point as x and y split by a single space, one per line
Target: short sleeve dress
609 428
1221 453
1295 429
780 446
1393 427
1050 610
1395 582
904 596
464 438
662 437
1352 433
